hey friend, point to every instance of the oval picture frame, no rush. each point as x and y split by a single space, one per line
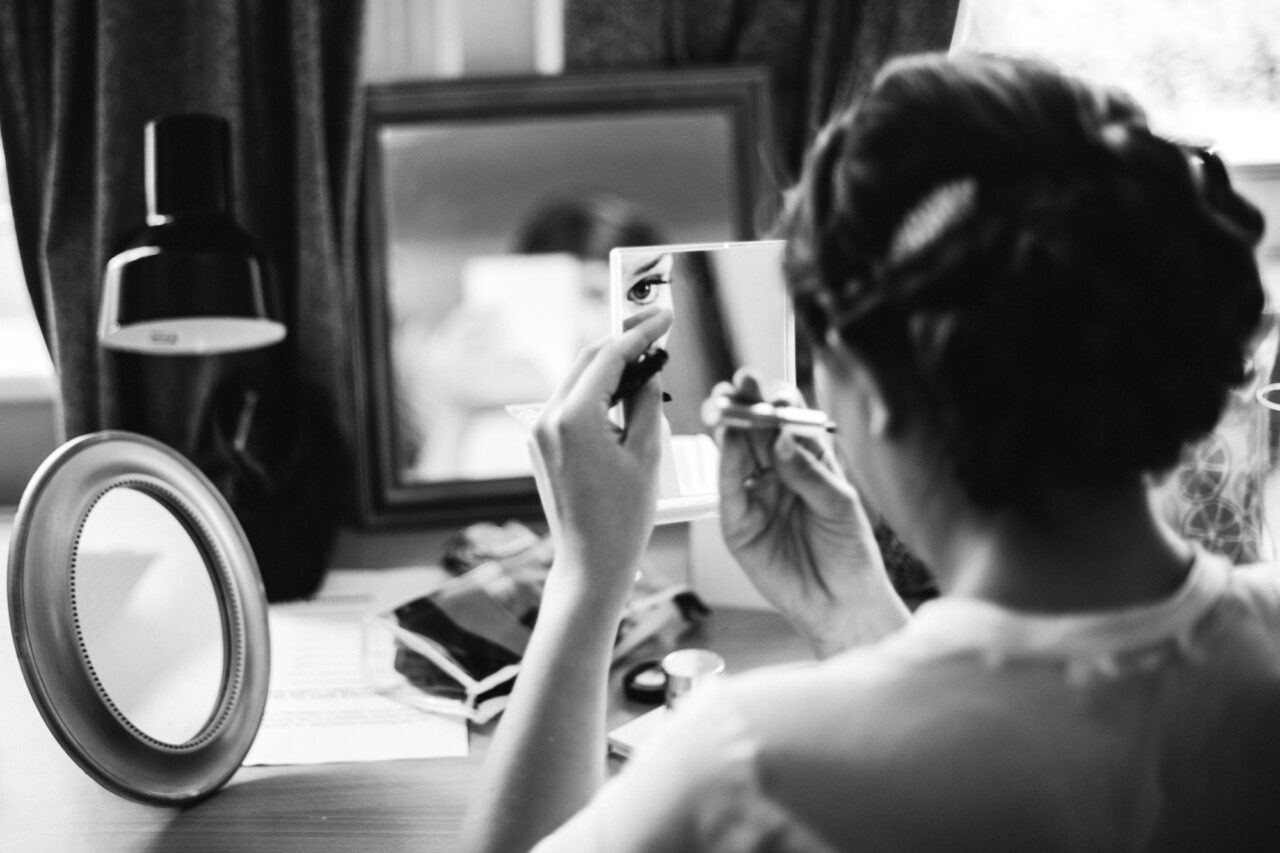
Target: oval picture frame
77 711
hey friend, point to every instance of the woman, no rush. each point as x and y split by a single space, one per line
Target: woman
999 268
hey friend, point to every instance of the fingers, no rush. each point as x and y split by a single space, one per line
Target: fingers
784 394
644 420
747 386
584 357
801 463
580 404
736 457
745 453
651 324
804 464
611 355
599 377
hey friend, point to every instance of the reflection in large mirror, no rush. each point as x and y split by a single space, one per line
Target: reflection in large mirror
153 593
491 207
139 617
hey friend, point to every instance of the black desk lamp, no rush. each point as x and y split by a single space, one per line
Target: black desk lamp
192 281
186 320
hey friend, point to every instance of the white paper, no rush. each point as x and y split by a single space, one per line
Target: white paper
320 706
627 738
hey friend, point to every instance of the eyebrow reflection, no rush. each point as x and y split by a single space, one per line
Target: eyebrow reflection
644 268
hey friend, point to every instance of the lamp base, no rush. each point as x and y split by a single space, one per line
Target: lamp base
262 440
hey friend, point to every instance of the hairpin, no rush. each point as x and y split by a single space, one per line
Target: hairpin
936 212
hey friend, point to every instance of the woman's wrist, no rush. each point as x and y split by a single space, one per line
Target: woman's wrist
871 611
582 591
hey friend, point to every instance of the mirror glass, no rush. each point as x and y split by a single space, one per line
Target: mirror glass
730 309
148 615
462 321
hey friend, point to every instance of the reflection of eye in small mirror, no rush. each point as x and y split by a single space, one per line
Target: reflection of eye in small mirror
730 309
147 616
645 282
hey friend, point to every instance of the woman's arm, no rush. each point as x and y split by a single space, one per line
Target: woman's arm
600 490
548 754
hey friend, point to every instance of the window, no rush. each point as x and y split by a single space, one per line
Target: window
25 368
28 387
1202 68
1205 71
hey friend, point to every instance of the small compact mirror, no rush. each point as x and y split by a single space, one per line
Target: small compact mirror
730 305
139 617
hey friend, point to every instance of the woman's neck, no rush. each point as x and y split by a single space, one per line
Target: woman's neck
1081 553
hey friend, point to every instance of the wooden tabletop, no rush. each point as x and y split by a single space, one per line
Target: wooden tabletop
48 804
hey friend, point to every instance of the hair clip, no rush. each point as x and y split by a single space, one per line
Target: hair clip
937 211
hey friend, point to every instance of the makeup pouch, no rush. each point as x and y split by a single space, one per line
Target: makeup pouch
458 648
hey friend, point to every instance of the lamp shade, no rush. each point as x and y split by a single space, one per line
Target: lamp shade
192 282
185 304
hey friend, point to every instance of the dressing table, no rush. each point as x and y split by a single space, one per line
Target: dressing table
48 803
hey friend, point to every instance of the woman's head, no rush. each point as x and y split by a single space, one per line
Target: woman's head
1062 298
586 226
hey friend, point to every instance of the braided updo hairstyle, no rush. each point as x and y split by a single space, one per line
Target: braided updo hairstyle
1064 297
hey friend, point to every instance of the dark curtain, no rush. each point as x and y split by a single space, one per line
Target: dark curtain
79 79
820 53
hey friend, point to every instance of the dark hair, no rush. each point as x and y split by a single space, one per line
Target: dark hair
1075 315
586 225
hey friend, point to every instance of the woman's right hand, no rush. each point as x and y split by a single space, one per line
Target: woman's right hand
798 529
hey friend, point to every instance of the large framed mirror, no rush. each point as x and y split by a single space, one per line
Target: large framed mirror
489 208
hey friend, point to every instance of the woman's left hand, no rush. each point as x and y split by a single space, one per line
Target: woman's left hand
601 480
